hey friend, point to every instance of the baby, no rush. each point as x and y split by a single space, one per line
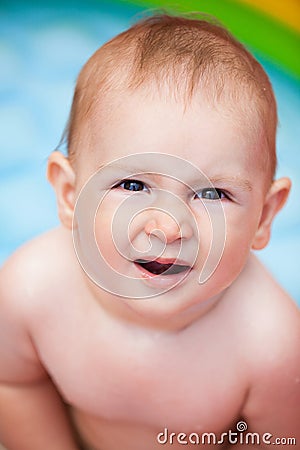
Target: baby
145 320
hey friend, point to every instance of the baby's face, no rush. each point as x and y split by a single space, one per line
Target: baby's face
182 186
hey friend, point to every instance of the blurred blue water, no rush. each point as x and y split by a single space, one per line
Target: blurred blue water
42 49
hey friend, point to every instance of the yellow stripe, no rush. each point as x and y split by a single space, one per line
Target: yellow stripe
285 11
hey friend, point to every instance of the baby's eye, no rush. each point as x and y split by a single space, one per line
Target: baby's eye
210 194
132 185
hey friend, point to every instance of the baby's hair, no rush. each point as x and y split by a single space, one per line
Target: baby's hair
179 56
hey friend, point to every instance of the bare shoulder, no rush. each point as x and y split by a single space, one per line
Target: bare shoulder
37 272
270 323
26 279
270 311
34 265
32 253
269 316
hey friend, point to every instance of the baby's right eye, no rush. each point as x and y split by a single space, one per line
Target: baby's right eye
132 185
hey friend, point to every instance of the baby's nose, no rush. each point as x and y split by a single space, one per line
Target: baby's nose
167 228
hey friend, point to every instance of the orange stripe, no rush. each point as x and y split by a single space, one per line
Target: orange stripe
284 11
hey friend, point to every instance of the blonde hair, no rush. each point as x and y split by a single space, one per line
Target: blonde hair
182 54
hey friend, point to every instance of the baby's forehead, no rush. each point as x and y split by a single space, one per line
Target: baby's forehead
147 114
240 109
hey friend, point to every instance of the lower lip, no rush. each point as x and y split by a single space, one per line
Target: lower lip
161 281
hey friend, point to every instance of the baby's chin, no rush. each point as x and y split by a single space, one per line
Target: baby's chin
181 304
170 299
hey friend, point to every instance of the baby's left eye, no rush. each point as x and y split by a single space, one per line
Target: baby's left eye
210 194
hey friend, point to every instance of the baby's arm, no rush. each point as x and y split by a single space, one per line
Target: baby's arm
273 404
32 415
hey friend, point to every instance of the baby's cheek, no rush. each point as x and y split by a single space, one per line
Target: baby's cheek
111 240
103 235
211 233
205 243
237 246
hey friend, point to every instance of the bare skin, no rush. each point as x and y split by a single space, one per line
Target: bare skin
123 383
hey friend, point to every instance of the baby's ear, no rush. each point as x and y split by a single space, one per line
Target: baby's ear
274 201
61 175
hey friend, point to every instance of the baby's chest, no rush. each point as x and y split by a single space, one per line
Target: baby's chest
182 383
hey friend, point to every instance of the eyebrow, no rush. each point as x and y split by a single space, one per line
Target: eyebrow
241 183
233 180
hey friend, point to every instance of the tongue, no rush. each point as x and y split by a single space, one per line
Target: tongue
158 268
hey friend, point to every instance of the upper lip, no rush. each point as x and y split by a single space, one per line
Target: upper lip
177 261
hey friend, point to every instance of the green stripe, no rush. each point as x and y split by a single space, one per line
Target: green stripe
274 40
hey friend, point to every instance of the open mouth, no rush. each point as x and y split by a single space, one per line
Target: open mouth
158 268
